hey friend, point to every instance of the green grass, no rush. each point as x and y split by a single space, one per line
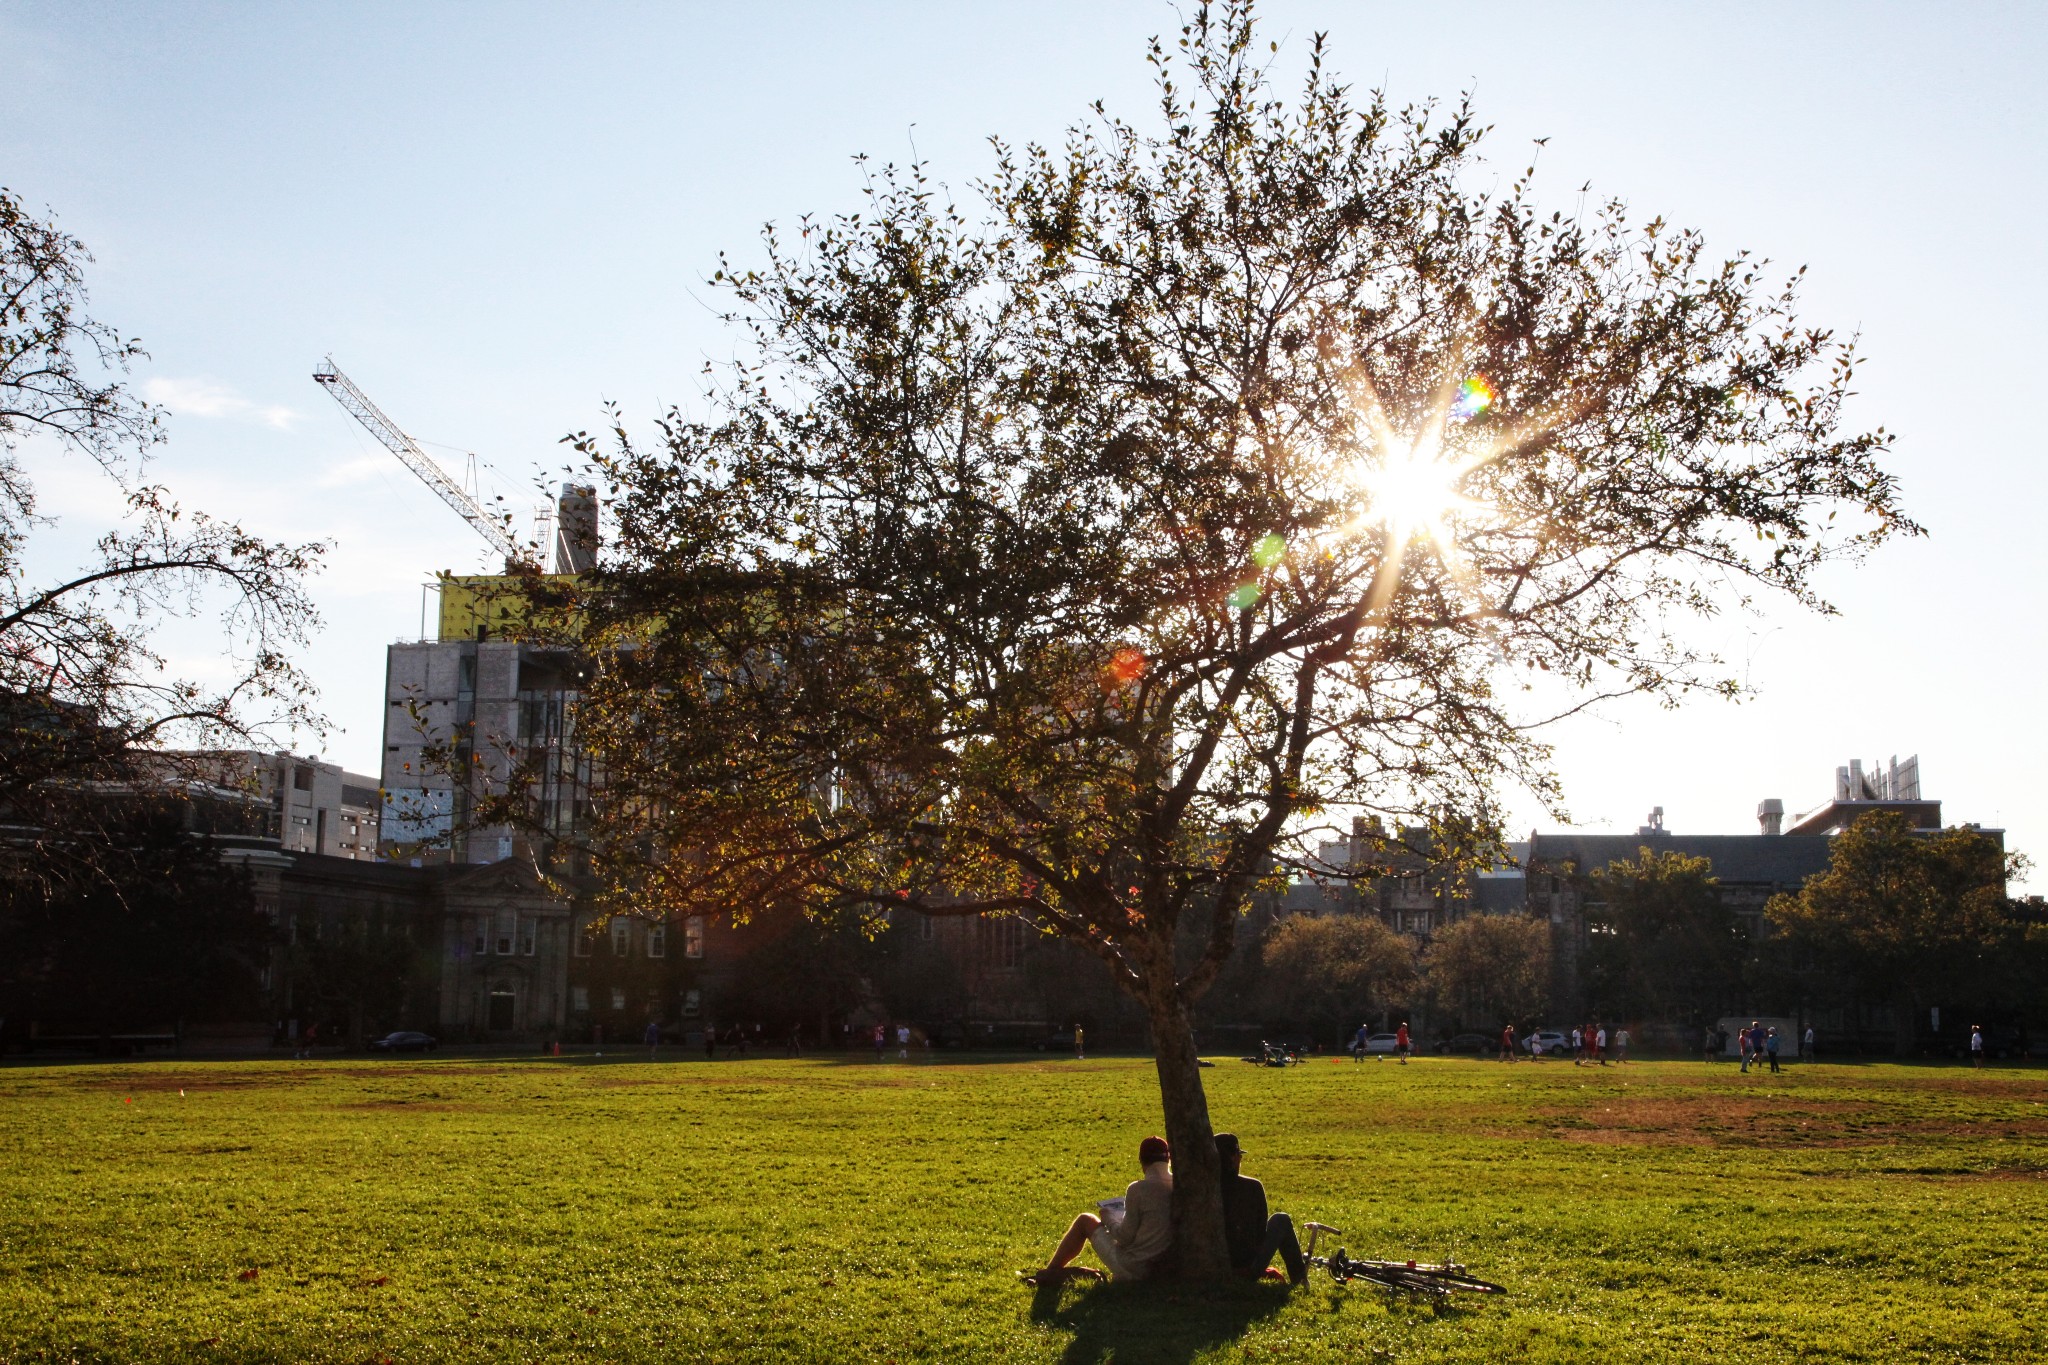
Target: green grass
824 1210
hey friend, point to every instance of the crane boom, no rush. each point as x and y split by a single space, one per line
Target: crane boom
357 405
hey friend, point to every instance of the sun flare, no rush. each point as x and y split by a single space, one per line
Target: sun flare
1415 496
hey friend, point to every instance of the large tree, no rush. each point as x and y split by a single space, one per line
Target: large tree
86 698
1907 918
1662 943
1328 971
163 932
1088 558
1491 969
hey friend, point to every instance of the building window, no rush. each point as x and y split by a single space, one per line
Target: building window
657 940
618 997
693 936
529 928
693 1004
506 924
579 999
1002 940
582 942
622 938
927 928
302 778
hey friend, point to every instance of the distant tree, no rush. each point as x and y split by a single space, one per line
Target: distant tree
1228 482
1491 969
796 970
1329 971
1905 918
82 692
1661 942
357 968
164 932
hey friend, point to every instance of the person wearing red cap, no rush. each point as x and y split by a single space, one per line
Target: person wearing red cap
1131 1236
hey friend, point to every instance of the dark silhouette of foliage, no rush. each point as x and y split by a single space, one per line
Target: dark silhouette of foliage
147 929
1907 918
1661 942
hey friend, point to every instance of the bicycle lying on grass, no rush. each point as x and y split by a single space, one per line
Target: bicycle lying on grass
1436 1282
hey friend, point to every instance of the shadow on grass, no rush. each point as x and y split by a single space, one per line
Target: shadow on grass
1152 1324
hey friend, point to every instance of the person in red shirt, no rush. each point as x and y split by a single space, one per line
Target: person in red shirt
1507 1043
1401 1042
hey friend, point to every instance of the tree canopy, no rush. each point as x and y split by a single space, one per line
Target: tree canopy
1662 943
1907 917
1329 971
82 689
1491 969
1082 556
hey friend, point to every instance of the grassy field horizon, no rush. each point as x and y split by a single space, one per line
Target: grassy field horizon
832 1208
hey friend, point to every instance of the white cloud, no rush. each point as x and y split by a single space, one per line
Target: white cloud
362 469
205 398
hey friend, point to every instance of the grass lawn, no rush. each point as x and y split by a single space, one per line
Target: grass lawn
442 1210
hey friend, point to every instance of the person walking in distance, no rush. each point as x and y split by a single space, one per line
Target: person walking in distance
1507 1042
1806 1045
1358 1043
653 1039
1620 1045
1600 1044
1712 1039
1771 1049
1401 1041
1080 1044
1742 1041
1977 1046
1578 1046
710 1041
903 1042
881 1040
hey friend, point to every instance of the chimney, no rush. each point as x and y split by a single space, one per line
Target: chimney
1771 815
576 529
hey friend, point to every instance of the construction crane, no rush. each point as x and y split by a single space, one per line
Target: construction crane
357 405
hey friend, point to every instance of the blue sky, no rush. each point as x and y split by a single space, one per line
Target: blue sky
499 217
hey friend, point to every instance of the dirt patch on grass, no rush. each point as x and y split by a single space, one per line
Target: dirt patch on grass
409 1106
1706 1120
193 1081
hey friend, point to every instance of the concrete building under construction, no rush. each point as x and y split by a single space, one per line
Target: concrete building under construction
462 708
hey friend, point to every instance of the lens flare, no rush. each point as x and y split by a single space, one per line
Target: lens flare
1244 597
1126 666
1475 396
1269 550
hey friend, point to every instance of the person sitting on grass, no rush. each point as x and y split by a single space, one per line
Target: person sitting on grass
1252 1237
1130 1247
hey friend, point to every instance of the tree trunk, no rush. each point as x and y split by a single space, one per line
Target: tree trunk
1198 1242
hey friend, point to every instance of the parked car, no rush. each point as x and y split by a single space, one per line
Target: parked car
1478 1044
404 1041
1555 1044
1382 1042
